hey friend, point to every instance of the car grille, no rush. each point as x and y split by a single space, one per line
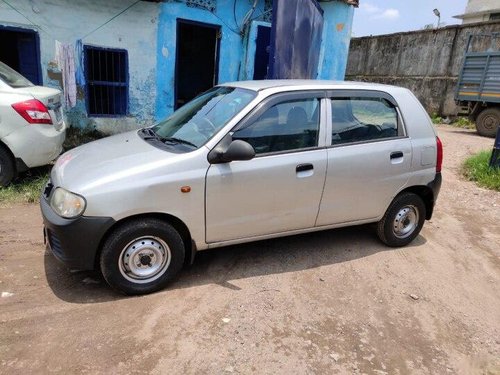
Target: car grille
48 189
55 244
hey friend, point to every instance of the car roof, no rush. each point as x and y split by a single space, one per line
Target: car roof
307 84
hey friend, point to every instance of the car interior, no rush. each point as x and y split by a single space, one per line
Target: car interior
347 128
274 131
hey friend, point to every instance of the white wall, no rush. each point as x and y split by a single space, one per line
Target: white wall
486 7
481 5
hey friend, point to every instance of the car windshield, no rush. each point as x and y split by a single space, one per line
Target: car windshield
200 119
13 78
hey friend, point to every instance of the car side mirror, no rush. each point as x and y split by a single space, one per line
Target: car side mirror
237 150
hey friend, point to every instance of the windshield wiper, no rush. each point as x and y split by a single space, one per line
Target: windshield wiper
149 133
177 140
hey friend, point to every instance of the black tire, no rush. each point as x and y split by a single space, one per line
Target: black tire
7 167
150 236
391 229
488 121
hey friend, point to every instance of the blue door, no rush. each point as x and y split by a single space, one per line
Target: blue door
28 57
20 49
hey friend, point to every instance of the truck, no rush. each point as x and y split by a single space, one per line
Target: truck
478 88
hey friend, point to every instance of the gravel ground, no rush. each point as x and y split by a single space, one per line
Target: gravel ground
332 302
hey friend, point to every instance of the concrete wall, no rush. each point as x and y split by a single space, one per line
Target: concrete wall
67 21
427 61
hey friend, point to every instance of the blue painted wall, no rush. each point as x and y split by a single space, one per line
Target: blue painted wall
237 52
148 32
231 45
336 38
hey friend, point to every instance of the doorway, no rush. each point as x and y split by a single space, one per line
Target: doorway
20 49
197 59
261 62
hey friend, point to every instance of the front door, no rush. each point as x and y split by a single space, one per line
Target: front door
280 189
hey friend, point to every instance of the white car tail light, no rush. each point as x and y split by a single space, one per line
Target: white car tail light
33 111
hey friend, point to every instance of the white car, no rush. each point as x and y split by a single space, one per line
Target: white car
242 162
32 128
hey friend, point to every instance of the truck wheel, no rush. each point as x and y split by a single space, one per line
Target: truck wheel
402 221
142 256
488 122
7 167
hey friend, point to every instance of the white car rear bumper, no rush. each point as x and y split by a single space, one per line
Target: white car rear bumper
36 145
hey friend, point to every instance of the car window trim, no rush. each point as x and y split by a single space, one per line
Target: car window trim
281 97
369 94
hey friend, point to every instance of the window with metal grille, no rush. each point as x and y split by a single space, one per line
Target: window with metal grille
106 73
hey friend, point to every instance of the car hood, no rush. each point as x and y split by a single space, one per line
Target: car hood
116 160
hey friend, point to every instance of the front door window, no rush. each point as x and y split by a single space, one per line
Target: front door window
287 126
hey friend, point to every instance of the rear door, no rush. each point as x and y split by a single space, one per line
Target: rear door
280 189
369 157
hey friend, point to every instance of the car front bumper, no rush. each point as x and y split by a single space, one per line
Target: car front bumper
75 242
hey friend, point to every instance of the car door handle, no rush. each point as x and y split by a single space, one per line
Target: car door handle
304 167
396 155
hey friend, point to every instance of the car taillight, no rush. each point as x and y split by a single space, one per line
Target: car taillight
439 158
33 111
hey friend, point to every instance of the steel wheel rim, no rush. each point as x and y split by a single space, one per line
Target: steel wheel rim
490 122
405 222
144 259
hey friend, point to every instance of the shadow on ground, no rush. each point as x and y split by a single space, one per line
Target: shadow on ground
223 265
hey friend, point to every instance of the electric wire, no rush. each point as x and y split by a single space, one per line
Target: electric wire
111 19
25 17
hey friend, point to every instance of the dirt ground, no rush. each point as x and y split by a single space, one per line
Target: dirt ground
332 302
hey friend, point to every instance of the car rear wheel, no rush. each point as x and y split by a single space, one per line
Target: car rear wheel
402 221
142 256
488 121
7 167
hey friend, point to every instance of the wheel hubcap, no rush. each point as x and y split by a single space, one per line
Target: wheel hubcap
405 222
144 259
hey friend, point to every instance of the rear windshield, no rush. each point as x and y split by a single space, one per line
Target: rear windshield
13 78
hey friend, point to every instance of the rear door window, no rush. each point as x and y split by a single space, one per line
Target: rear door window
360 119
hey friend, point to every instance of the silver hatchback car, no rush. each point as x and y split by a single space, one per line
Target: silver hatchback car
242 162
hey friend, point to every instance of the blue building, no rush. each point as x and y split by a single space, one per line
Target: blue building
137 61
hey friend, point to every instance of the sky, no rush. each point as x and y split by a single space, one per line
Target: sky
375 17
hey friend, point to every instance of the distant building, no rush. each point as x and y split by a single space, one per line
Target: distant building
136 61
481 11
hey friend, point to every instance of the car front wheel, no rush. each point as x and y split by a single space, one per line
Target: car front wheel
142 256
402 221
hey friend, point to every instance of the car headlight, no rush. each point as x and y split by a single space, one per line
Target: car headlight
67 204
